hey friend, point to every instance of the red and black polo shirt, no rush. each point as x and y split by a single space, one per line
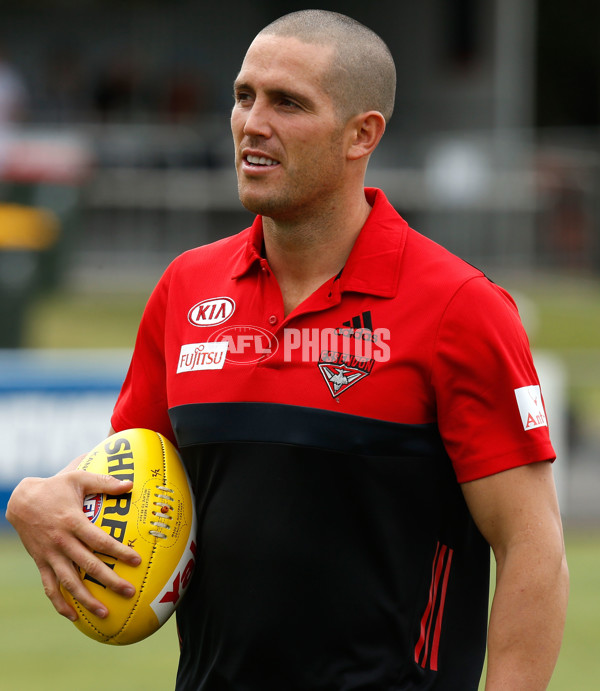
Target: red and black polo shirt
326 448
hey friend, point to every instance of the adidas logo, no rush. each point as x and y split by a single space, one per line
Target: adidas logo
360 326
362 321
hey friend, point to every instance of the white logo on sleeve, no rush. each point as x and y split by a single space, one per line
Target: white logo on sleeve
531 407
199 356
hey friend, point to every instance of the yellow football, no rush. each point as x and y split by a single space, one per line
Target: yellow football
157 518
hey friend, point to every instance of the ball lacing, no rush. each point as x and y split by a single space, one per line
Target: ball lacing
164 511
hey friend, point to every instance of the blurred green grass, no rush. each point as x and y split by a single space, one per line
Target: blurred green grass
41 651
579 663
82 319
562 313
578 666
568 310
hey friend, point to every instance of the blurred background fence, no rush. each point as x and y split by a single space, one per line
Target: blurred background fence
494 147
116 155
127 198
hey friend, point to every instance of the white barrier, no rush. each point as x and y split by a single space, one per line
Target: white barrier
553 379
54 405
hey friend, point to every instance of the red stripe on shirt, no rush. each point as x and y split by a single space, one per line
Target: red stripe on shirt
438 622
430 632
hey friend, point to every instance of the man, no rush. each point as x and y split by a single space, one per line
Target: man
13 93
376 422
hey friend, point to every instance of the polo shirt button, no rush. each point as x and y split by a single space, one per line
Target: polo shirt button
272 320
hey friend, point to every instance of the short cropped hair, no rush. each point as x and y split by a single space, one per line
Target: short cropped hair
362 76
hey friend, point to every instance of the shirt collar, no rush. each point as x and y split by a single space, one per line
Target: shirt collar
251 251
373 266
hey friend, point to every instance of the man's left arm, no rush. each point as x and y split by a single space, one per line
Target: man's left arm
517 513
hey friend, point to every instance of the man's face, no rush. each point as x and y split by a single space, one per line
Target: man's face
289 142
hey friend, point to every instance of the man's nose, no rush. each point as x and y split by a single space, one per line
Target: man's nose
258 121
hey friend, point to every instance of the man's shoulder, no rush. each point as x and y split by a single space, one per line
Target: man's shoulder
430 258
223 251
205 262
222 247
441 277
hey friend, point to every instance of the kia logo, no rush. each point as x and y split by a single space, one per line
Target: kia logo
247 344
211 312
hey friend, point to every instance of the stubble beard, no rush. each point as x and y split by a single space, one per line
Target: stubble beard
278 206
304 194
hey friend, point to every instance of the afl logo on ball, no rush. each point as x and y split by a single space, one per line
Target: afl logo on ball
92 505
211 312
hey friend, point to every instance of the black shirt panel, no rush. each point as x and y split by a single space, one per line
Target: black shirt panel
327 561
307 427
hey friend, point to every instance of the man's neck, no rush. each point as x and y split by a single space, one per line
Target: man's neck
305 254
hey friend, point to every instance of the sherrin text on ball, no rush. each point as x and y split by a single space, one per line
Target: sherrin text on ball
157 519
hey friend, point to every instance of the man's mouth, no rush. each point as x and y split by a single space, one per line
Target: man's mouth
261 161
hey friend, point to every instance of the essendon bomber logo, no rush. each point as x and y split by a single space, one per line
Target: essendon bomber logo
342 370
211 312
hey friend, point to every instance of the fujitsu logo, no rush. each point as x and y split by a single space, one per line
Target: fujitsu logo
211 312
199 356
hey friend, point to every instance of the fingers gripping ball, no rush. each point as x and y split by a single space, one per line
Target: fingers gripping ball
157 519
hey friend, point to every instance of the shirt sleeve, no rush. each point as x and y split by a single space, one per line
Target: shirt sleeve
142 401
490 409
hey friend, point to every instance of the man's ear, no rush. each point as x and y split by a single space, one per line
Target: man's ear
365 131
